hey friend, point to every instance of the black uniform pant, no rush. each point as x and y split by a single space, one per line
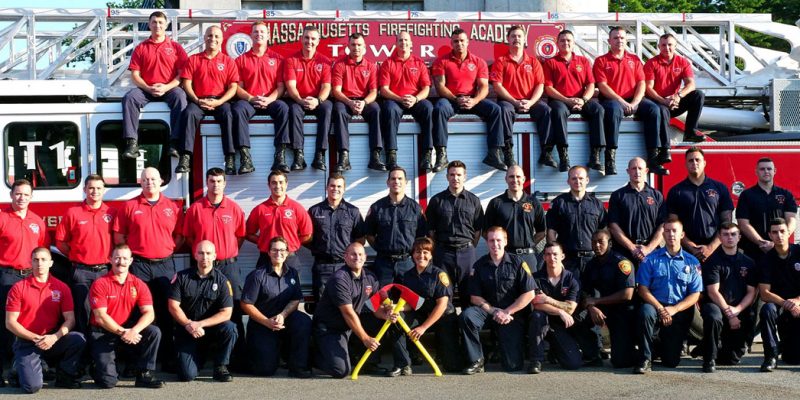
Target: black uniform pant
230 268
647 112
488 111
8 277
321 272
265 345
27 358
387 268
341 126
621 323
102 346
296 115
591 112
576 262
671 336
692 105
446 330
457 263
563 342
82 279
220 338
775 325
242 111
539 113
510 337
422 111
716 329
333 355
193 115
157 276
136 98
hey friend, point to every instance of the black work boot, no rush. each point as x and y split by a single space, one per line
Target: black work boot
131 149
494 159
67 381
508 155
184 164
230 164
546 158
279 163
563 158
611 161
173 148
663 156
652 163
299 160
427 160
391 159
145 379
441 159
319 160
375 160
245 161
594 159
344 161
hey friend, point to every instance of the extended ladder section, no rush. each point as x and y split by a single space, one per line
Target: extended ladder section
95 44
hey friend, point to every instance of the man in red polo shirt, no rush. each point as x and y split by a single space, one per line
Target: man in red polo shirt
569 84
21 231
210 80
462 82
150 224
220 220
620 78
355 89
307 76
405 83
664 75
260 91
39 313
84 236
155 70
113 298
519 83
278 216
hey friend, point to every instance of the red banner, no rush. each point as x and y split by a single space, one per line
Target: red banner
431 39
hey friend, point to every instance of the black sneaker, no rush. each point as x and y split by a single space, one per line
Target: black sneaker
397 371
535 367
769 365
221 374
643 368
145 379
709 367
475 368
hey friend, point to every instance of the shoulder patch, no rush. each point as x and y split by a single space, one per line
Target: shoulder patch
444 279
526 268
625 267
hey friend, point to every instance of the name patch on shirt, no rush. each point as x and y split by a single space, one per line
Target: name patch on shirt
55 296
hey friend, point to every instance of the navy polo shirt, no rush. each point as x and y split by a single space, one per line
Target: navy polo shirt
502 284
395 226
203 297
608 275
782 274
733 273
334 228
432 284
700 208
576 220
637 213
760 207
567 288
521 219
670 278
270 292
344 288
454 218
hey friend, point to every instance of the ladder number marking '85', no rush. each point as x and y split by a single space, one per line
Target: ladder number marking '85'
63 153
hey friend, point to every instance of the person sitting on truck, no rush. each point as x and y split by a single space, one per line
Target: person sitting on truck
355 88
260 91
155 67
620 78
462 82
664 74
210 80
518 82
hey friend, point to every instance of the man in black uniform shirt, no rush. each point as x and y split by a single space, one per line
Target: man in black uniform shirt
730 281
392 224
521 215
636 213
455 219
573 218
609 283
501 287
760 204
201 302
552 318
701 204
779 287
337 223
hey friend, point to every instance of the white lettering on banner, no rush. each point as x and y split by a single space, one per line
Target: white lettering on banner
335 49
426 51
383 50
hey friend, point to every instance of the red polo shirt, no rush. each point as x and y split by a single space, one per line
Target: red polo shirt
18 237
40 305
87 231
519 79
222 225
269 219
621 75
309 74
461 77
404 77
118 298
569 78
149 228
259 76
667 76
158 62
210 77
356 79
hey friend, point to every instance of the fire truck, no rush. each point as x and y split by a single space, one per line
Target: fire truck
64 71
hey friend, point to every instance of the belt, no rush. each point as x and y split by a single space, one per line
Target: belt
151 260
455 247
21 272
395 257
640 241
581 253
89 267
326 259
226 261
527 250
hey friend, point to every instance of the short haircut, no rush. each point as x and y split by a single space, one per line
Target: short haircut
396 168
673 220
554 243
616 28
577 167
355 35
335 176
497 229
93 178
603 231
277 173
216 171
457 32
121 246
21 182
764 159
421 244
278 239
729 225
41 250
565 32
695 149
667 36
310 28
777 221
514 28
157 14
456 164
257 23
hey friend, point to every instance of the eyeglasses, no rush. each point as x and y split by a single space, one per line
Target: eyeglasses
282 251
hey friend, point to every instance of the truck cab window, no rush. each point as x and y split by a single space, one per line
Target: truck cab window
46 153
153 152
